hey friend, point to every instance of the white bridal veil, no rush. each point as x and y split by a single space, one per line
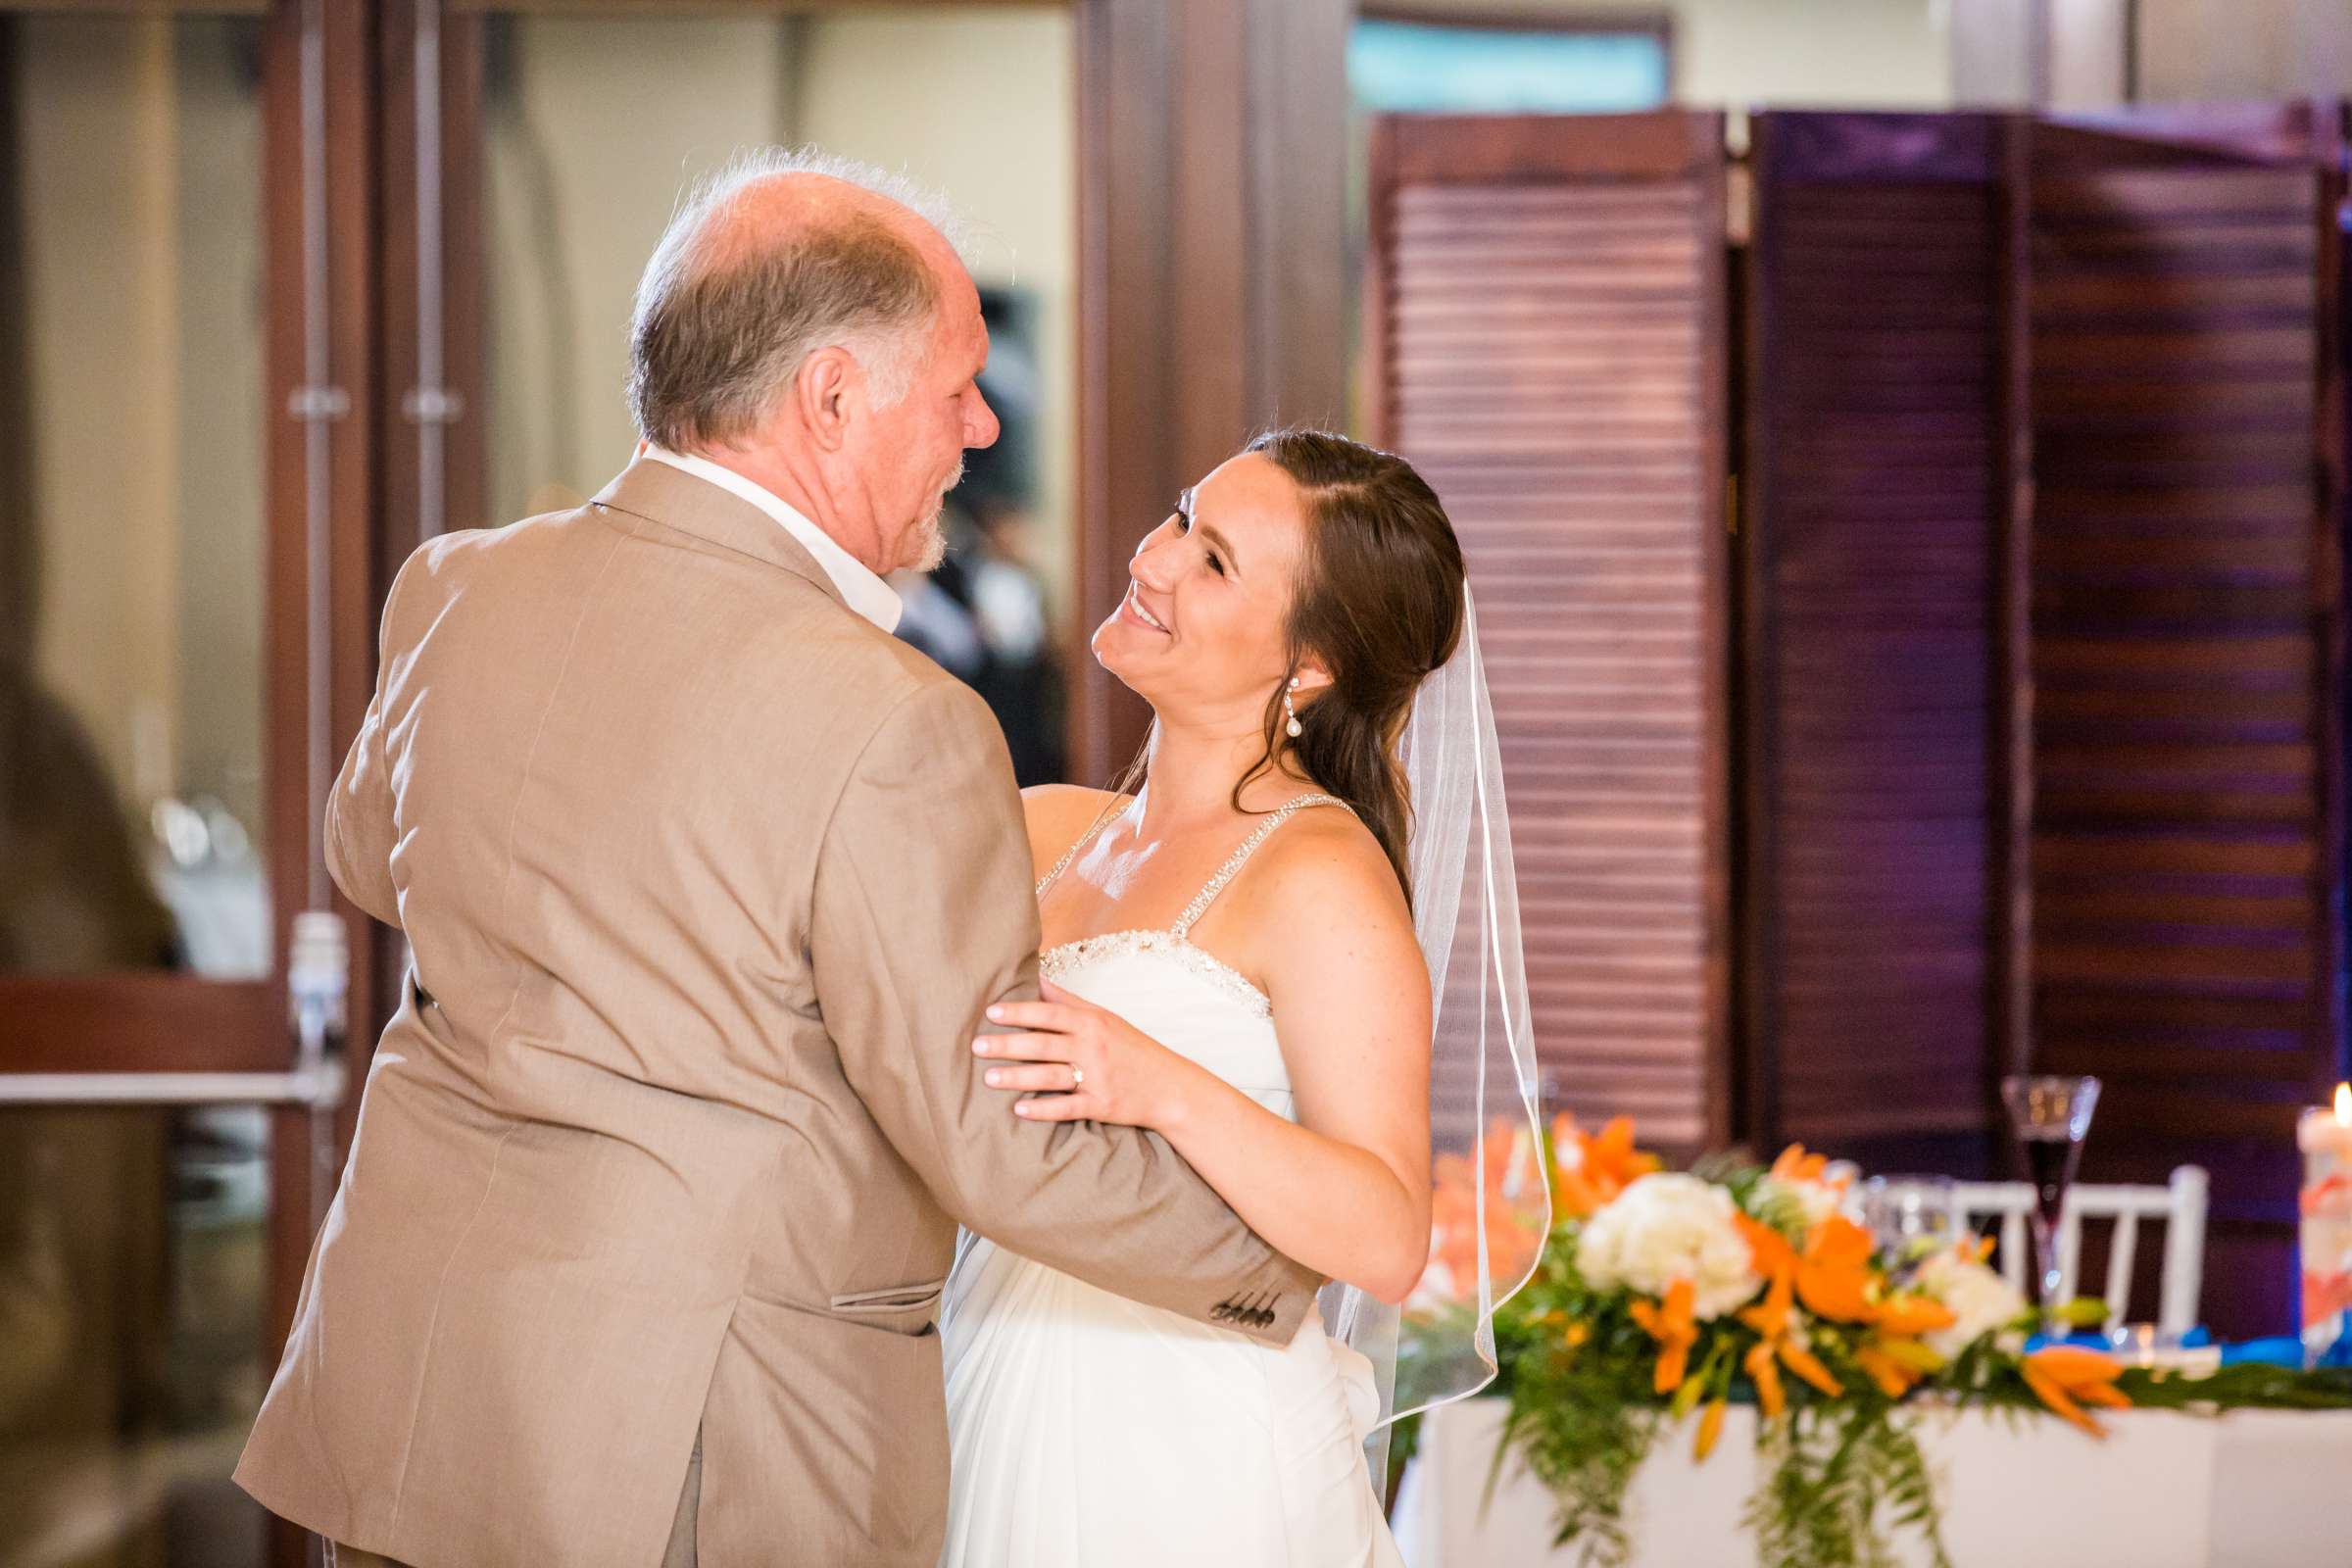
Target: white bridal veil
1494 1203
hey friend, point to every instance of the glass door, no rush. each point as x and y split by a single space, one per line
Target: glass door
181 547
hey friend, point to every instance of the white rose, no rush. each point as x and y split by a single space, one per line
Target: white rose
1980 1300
1668 1226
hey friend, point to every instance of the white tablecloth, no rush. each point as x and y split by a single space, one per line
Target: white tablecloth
2257 1488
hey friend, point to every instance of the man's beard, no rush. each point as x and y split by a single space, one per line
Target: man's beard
930 534
930 541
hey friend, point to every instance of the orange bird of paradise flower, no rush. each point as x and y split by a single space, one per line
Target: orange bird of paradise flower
1796 1166
1897 1362
1456 1182
1777 1341
1831 1276
2066 1378
1676 1329
1710 1429
1606 1164
1893 1378
1895 1359
1910 1316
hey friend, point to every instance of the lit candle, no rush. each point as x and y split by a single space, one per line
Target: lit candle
2324 1136
2327 1129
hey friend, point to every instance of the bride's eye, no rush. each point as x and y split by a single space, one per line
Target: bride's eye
1184 525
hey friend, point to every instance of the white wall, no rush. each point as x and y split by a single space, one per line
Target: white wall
2209 50
1863 54
611 118
2186 51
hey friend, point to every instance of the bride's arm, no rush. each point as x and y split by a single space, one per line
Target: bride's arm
1345 1189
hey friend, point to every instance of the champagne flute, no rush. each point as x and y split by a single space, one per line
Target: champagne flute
2051 1116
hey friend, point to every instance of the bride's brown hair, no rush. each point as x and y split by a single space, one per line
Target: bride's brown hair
1379 601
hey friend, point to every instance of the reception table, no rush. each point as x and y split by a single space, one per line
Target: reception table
2255 1488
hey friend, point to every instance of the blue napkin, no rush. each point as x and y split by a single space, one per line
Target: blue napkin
2196 1339
2286 1350
2283 1349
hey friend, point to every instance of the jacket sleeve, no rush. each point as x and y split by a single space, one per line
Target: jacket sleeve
359 827
923 915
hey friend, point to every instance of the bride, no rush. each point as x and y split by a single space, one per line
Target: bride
1230 959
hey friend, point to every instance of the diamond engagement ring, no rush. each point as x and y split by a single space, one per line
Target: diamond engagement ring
1077 1077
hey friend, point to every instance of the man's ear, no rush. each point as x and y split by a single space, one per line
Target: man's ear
823 392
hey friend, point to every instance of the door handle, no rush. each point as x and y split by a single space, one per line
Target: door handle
318 1087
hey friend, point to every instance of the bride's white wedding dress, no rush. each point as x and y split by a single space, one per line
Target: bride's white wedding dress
1089 1430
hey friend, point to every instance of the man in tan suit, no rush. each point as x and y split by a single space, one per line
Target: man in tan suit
708 879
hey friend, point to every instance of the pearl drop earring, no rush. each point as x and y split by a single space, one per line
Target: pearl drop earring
1294 727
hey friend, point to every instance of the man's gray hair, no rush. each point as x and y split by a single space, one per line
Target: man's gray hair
719 332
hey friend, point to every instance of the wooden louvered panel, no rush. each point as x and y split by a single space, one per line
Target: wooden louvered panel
1545 332
2186 844
1874 619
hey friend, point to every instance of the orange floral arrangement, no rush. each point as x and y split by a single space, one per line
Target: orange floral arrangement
1660 1296
1814 1272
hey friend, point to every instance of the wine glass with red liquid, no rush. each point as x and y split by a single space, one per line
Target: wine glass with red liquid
2052 1118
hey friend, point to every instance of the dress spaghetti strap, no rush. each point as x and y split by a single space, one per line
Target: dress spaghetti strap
1239 858
1103 820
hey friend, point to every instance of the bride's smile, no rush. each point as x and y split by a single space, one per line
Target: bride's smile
1132 607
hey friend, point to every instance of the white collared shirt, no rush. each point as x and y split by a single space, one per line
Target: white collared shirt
863 592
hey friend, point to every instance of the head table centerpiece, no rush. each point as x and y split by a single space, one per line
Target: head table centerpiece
1660 1297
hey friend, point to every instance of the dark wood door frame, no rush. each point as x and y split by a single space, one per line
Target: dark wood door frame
320 178
1211 296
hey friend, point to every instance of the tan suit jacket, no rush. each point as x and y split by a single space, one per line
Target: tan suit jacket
708 881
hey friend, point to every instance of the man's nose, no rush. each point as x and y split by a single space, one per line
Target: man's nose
980 426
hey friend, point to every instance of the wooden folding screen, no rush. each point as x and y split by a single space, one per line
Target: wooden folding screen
2043 692
2187 845
1876 628
1546 341
2042 446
